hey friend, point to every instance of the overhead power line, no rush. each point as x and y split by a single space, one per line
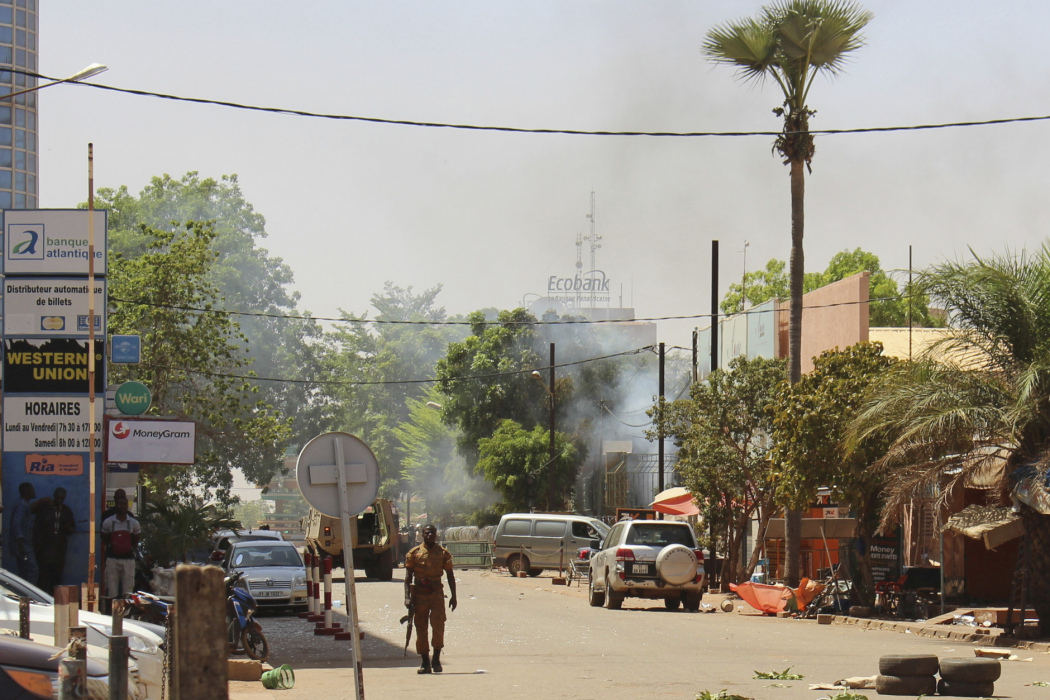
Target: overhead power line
538 322
428 380
534 130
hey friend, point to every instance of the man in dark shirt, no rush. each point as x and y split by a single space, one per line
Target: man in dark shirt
22 533
54 525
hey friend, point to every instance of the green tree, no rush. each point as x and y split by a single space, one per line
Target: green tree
173 527
986 400
517 463
193 362
485 379
890 308
431 465
810 424
791 42
377 367
247 279
722 431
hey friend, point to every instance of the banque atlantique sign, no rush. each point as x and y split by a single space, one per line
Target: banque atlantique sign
593 284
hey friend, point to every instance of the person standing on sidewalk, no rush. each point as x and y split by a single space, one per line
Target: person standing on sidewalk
22 522
54 524
120 535
424 565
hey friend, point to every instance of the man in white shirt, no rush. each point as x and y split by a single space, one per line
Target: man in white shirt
120 535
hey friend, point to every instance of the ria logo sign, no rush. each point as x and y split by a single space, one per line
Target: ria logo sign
25 241
121 430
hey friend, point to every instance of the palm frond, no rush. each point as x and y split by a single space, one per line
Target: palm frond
748 45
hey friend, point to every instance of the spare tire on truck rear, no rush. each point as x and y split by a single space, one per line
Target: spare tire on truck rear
676 564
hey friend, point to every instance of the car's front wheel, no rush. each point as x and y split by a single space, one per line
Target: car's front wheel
672 603
596 597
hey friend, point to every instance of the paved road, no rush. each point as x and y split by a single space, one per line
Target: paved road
526 638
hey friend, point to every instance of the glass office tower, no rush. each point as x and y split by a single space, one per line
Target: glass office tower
18 124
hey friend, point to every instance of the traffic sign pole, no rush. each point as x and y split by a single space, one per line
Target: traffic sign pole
339 477
348 569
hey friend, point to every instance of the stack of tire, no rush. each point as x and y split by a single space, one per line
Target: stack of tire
907 674
968 678
915 674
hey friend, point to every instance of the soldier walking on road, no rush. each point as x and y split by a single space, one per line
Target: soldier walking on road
424 565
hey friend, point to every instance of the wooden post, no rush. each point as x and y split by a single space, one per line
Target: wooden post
118 665
118 616
200 671
64 596
23 617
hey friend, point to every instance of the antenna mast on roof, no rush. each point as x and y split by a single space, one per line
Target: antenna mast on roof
594 240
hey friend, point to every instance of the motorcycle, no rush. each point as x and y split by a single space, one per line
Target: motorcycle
146 607
243 630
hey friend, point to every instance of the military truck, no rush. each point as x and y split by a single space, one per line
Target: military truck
373 532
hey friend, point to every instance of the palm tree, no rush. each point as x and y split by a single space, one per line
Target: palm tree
988 403
791 42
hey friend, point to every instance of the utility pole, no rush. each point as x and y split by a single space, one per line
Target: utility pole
550 465
660 425
714 306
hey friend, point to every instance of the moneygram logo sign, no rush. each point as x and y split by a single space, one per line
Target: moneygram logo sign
152 441
25 242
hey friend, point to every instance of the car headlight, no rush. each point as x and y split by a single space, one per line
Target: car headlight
299 581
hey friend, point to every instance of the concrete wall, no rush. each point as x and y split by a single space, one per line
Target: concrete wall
834 316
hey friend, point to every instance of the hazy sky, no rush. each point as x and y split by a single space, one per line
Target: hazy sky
350 205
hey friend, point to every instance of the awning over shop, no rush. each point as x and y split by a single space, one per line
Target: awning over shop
815 528
675 501
993 525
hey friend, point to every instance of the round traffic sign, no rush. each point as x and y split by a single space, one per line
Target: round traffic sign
316 472
132 398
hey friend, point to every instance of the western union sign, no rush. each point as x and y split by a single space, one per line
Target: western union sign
51 365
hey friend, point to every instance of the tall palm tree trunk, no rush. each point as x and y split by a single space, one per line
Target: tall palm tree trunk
793 524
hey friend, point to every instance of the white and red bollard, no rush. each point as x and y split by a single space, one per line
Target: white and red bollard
308 562
326 627
315 587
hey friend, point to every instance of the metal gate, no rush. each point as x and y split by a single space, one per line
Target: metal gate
470 555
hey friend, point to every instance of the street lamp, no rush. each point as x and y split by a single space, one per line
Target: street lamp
82 74
550 394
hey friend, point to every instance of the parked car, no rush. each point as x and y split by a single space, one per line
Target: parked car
648 559
29 670
224 538
145 641
273 569
533 542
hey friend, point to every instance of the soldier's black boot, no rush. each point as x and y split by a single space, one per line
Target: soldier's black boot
425 668
435 663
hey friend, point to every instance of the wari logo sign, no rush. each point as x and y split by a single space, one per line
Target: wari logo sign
132 398
55 465
52 241
152 441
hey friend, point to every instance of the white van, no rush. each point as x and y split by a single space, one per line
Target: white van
532 542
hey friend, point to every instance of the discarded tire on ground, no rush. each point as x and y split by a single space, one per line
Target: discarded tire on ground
977 670
908 665
964 689
905 685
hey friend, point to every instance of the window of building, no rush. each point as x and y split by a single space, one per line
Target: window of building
5 136
20 179
7 35
20 138
6 159
5 15
5 179
5 200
